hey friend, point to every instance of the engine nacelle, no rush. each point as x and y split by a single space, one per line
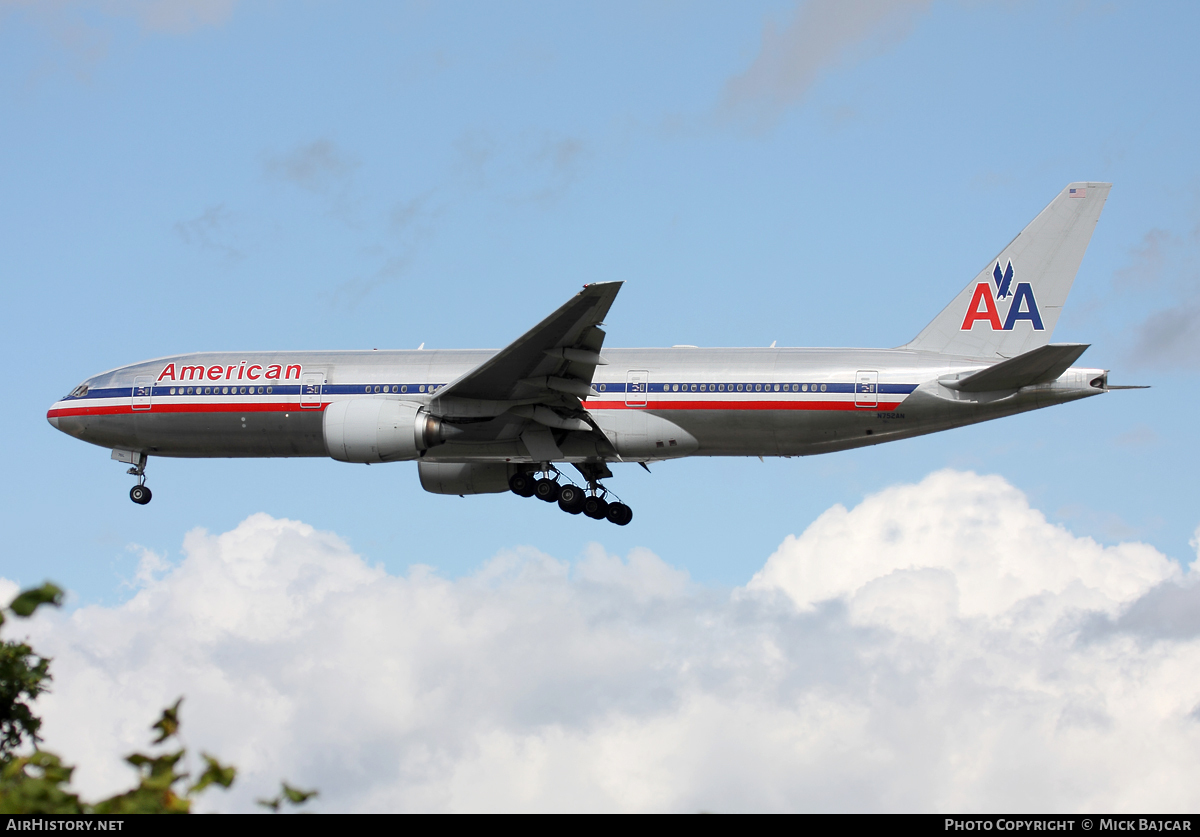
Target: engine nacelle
378 430
464 478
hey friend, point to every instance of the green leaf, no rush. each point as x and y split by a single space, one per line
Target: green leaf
30 600
293 795
23 676
168 724
35 784
214 773
297 796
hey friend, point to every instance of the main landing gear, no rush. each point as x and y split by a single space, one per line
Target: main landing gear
592 501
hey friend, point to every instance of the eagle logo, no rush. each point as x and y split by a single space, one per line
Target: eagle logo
1003 280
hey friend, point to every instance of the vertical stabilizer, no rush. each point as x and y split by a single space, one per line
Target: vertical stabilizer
1013 304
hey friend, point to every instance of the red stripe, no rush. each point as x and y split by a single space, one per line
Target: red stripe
738 405
125 409
278 407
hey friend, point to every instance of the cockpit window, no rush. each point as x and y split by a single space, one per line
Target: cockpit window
79 391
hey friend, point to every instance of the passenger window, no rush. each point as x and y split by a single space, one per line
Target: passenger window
739 388
404 387
422 387
270 390
822 387
693 387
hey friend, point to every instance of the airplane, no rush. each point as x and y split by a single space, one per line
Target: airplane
487 421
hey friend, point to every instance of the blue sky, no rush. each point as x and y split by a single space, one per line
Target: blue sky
239 175
841 632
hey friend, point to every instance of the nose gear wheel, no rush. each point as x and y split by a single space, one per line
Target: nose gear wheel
140 493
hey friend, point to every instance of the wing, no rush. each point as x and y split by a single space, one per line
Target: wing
552 364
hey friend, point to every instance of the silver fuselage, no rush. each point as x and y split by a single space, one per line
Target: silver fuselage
652 404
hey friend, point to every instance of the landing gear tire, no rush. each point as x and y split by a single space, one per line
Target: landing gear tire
521 485
140 494
595 507
619 513
546 489
571 499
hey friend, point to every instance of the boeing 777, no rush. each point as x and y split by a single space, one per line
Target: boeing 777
480 421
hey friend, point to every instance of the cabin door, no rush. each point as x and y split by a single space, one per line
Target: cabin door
637 384
143 390
310 390
866 388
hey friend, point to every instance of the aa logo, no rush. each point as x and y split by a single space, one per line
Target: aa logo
985 301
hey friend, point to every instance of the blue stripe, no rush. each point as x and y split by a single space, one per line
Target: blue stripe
425 389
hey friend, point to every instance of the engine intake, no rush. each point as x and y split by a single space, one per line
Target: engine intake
379 430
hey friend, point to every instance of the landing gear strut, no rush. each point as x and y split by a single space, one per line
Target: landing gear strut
140 493
592 501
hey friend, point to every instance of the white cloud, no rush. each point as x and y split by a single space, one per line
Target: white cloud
821 34
320 166
939 647
955 546
85 29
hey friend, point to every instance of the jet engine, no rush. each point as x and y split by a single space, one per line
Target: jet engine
379 430
464 478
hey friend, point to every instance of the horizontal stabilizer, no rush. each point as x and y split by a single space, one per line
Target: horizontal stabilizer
1036 367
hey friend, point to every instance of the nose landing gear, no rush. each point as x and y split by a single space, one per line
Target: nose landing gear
140 493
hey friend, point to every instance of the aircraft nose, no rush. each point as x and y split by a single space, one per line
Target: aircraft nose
53 419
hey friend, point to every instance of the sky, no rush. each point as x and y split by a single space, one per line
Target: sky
231 175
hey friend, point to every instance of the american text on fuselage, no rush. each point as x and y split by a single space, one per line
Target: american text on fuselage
479 421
